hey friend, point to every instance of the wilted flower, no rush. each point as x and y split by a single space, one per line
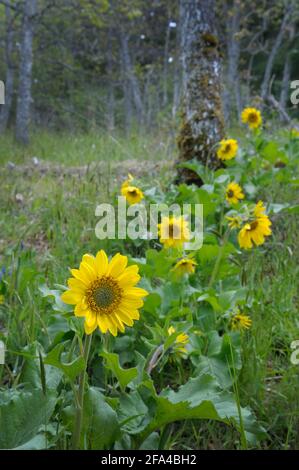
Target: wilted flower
185 266
240 322
180 343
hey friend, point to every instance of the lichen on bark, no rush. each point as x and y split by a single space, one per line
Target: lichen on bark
202 124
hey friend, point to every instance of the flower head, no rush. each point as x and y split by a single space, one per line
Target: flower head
252 117
295 133
128 181
240 322
181 341
227 149
173 231
234 221
256 230
234 193
105 293
185 266
132 194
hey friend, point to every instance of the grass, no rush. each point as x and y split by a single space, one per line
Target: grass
81 149
41 230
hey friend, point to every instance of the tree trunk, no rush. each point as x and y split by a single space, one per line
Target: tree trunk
273 53
177 67
25 72
9 81
111 100
234 102
285 85
203 123
131 77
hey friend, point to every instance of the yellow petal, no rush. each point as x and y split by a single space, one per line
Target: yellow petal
102 323
80 276
71 297
117 265
101 263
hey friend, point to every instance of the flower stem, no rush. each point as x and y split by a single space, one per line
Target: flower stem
80 398
219 258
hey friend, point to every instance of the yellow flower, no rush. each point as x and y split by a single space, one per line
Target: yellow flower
234 193
1 299
173 231
234 221
252 117
259 210
256 230
132 194
181 340
240 322
128 181
104 293
227 149
185 266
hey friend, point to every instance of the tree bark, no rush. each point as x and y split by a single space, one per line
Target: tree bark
9 80
233 101
203 123
25 72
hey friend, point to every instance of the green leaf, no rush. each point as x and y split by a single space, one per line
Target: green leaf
124 376
72 369
199 398
100 427
222 358
22 413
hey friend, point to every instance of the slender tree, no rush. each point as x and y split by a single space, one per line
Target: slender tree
9 80
25 72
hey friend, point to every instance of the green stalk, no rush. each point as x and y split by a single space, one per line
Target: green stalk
80 398
218 260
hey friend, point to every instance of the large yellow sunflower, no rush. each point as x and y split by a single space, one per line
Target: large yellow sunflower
227 149
256 230
173 231
252 117
104 293
234 193
132 194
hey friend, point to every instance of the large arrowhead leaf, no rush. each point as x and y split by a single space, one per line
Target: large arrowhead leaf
72 369
124 376
222 359
199 398
22 413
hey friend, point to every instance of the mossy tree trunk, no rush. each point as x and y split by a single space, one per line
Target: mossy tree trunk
202 124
